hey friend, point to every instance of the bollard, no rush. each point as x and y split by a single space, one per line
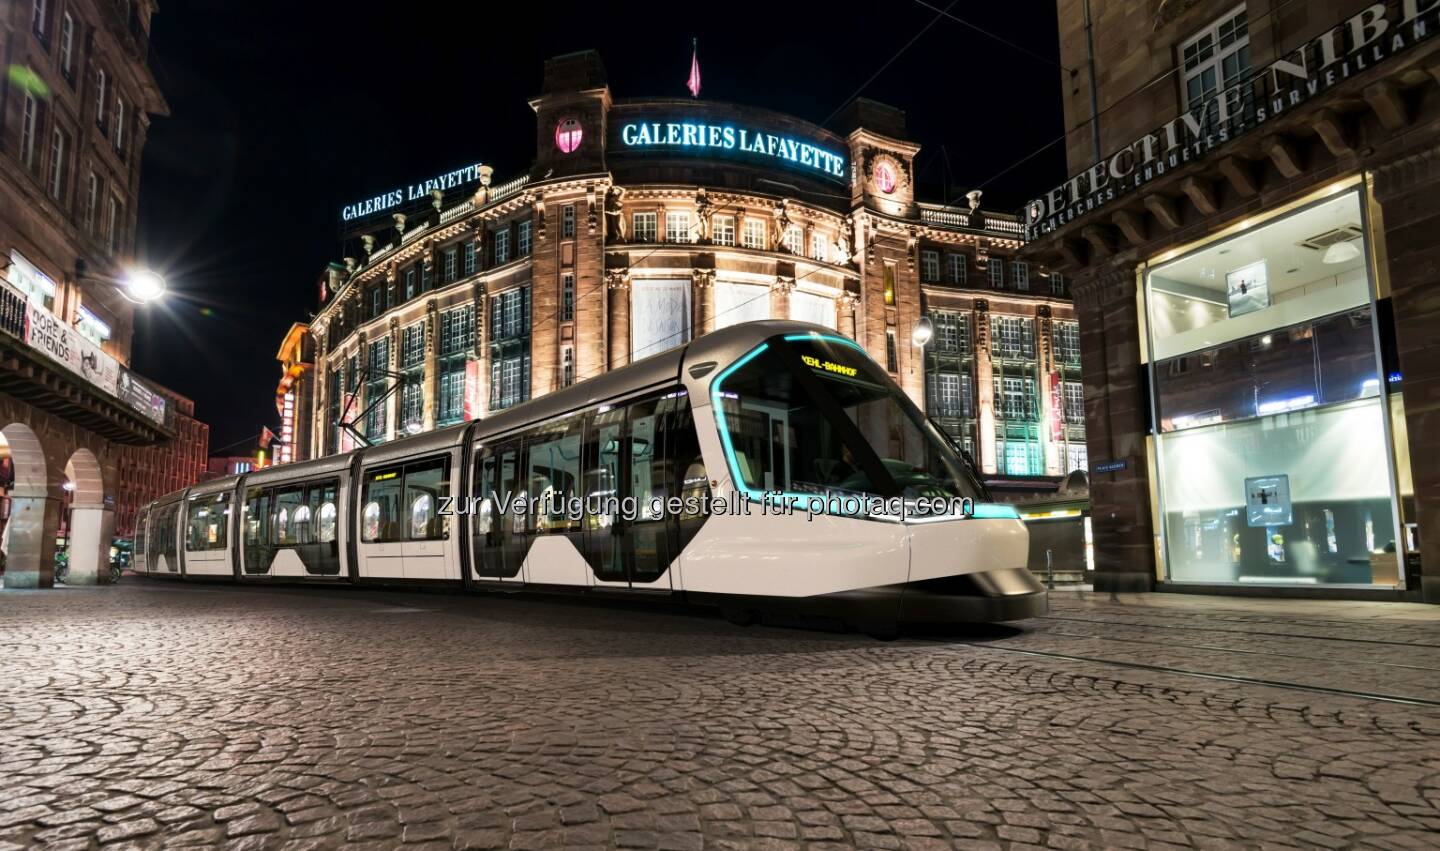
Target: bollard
1050 569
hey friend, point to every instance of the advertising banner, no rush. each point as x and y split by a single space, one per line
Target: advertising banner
47 334
472 390
133 392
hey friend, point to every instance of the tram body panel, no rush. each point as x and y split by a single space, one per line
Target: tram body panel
952 547
790 555
553 560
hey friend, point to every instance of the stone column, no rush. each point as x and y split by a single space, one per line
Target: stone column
481 390
845 307
984 391
431 380
1054 462
88 523
1110 362
617 284
780 296
1410 214
704 301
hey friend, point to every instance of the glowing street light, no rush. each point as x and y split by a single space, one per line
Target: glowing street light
142 286
924 332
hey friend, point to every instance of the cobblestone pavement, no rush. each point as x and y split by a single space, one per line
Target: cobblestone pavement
153 714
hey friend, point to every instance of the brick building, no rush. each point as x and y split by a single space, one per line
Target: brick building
643 223
1249 229
75 104
149 472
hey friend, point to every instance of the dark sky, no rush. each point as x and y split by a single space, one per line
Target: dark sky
283 111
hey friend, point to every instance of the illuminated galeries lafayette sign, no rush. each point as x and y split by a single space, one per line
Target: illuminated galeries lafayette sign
408 194
1351 47
697 137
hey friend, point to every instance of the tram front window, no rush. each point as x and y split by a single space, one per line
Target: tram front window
807 414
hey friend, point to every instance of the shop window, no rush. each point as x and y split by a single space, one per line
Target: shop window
1299 267
736 303
659 315
812 308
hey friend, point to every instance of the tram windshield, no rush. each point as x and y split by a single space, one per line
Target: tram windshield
812 414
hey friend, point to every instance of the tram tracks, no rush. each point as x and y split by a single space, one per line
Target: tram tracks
1293 635
1206 675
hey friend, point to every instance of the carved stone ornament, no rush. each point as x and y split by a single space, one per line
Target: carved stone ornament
615 214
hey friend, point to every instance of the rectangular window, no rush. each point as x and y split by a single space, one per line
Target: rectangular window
947 402
113 236
101 82
522 239
412 404
209 517
677 226
567 297
59 164
1057 284
29 132
91 326
1020 275
409 283
1076 457
120 116
567 221
567 366
1074 402
892 353
794 240
722 230
645 227
753 235
502 246
1214 59
819 247
377 382
451 404
390 296
889 285
1013 337
92 202
469 264
995 271
377 301
457 331
952 332
1067 342
955 268
736 303
412 346
39 23
929 266
67 46
448 267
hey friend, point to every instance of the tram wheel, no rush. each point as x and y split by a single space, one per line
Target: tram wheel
737 615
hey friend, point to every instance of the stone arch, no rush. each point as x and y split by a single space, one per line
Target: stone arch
29 539
92 521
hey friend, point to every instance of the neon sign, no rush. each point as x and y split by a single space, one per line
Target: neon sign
413 192
829 366
689 134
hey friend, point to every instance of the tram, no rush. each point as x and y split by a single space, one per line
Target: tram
741 471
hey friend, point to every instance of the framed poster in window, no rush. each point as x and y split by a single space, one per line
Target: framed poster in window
1267 501
1248 288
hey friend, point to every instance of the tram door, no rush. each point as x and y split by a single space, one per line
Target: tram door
626 467
498 532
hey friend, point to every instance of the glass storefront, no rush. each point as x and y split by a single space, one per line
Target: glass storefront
1272 440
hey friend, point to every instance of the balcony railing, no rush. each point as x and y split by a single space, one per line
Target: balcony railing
996 223
12 311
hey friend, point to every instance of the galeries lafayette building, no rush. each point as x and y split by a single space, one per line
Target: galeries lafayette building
640 225
1256 284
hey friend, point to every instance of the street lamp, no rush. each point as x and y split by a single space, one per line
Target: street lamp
142 286
923 333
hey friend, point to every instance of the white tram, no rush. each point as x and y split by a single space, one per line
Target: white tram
737 424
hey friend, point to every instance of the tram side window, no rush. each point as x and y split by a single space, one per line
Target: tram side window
289 520
555 474
425 483
257 517
206 523
140 538
320 511
380 521
166 530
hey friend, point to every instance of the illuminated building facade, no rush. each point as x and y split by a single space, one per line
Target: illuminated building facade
1249 229
644 223
149 472
76 98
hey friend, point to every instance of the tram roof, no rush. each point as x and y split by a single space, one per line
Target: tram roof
299 469
213 486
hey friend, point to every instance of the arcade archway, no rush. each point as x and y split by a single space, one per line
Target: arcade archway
91 522
31 511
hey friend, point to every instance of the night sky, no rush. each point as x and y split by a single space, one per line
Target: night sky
283 112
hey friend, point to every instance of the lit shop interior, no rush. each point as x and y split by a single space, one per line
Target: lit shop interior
1274 455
